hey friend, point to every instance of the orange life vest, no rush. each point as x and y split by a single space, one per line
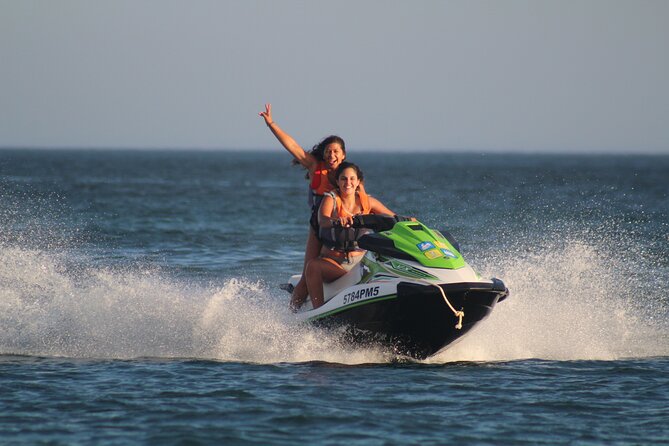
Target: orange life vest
320 183
339 209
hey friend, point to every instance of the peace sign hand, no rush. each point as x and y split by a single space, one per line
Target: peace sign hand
267 114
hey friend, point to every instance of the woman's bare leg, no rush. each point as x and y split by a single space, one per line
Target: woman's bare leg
311 252
317 272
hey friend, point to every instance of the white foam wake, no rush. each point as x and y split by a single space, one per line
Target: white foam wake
569 301
565 304
50 307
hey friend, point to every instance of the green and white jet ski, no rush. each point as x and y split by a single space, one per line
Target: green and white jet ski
412 292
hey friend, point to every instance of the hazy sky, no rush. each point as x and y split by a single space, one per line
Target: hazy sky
560 75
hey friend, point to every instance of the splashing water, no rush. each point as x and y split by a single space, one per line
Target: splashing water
565 304
49 308
568 302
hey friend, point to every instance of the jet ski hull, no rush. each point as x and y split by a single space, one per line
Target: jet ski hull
416 321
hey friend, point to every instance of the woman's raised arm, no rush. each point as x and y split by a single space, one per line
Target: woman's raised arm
303 157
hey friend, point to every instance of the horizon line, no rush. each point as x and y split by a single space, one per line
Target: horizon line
397 150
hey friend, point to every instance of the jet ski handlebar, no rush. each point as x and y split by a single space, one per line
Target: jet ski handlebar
377 222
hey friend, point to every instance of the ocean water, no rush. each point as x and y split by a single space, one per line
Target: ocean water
139 303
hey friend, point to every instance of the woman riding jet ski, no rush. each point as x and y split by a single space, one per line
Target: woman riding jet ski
408 290
337 207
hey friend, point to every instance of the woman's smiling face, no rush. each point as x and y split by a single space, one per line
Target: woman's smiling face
348 181
333 155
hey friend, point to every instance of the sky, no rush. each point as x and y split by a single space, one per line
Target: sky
474 75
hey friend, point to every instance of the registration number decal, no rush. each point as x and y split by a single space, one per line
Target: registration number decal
361 294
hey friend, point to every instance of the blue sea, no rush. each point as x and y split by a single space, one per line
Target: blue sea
139 303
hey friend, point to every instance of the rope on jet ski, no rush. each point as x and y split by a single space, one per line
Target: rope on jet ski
459 314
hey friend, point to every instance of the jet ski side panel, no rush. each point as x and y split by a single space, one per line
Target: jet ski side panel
417 322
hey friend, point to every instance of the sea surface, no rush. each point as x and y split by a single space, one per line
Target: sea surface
139 303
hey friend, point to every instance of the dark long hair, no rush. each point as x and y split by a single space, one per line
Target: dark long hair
319 149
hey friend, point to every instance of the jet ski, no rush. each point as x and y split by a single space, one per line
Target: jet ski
412 292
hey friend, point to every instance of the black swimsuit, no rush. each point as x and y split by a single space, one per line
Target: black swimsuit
313 220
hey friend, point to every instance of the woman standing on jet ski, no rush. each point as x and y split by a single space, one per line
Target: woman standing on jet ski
337 210
320 162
